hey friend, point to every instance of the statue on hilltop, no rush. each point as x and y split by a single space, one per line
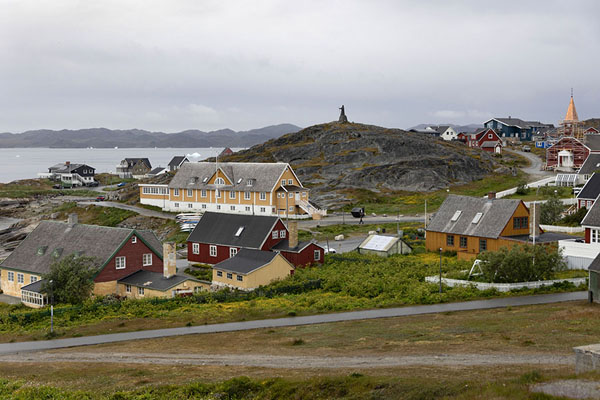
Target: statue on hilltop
343 117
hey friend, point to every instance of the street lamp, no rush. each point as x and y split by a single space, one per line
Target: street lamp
51 306
440 270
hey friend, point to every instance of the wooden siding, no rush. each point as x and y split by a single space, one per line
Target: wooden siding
306 256
437 240
133 253
149 293
509 229
278 268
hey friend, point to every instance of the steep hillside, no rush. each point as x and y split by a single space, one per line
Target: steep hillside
335 159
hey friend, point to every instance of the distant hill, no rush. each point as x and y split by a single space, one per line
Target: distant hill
458 128
107 138
592 122
335 160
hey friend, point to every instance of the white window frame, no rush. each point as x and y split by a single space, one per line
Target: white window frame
233 251
33 279
195 248
127 288
275 235
240 278
232 194
249 182
229 275
175 192
263 209
291 195
282 234
283 182
290 182
190 205
20 278
291 208
317 255
220 274
594 236
217 193
176 205
203 205
213 250
134 239
10 276
247 208
263 195
218 206
232 208
141 291
145 261
120 262
203 193
247 196
219 181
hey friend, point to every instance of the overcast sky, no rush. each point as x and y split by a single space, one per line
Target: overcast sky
199 64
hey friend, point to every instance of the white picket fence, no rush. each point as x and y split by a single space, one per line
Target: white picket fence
541 182
563 229
502 287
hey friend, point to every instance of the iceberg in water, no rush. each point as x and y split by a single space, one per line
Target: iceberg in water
194 155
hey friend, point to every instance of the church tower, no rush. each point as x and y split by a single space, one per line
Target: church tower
571 126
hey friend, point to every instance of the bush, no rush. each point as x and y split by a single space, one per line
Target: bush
521 263
575 218
551 210
522 189
71 279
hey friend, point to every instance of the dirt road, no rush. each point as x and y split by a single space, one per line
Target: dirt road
291 362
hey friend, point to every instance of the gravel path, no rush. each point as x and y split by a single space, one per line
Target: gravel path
291 362
573 389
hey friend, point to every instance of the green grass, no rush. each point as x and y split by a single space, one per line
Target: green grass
95 215
39 187
111 179
200 271
543 193
353 228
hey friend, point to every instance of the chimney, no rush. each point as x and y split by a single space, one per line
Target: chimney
491 195
534 217
293 233
72 219
169 260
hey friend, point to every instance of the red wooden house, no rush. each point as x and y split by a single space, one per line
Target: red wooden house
486 139
219 236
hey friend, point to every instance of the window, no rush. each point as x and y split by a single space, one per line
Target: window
232 251
120 262
220 273
482 245
282 234
291 208
190 193
290 182
463 242
20 278
317 255
41 250
246 195
141 291
203 193
195 248
594 236
33 279
450 240
520 223
134 239
213 250
477 218
490 136
247 208
190 205
232 208
283 182
249 182
231 194
203 205
218 206
291 195
239 231
263 195
11 276
147 259
229 275
176 205
175 192
456 216
262 209
239 181
240 278
219 181
128 288
275 235
218 193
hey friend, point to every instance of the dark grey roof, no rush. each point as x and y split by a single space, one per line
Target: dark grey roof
521 123
595 265
591 189
441 128
156 171
496 215
64 168
37 252
593 142
490 143
35 286
546 237
264 176
284 245
176 161
246 261
154 280
220 228
591 164
592 218
132 161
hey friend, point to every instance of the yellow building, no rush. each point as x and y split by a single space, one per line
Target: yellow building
237 188
250 269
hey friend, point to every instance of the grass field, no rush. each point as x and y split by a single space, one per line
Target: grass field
39 187
544 329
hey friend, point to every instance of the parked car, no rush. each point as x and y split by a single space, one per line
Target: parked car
57 186
121 184
330 250
100 198
92 184
527 149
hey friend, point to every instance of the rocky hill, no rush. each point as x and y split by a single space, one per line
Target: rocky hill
335 159
131 138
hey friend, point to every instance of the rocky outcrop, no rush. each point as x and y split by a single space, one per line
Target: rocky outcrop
334 158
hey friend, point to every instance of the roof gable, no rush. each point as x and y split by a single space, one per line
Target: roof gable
591 189
247 261
221 229
495 215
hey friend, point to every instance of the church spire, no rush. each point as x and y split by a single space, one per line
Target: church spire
571 111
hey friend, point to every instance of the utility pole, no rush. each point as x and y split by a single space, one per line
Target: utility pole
440 270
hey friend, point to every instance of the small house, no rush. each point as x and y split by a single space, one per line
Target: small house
249 269
71 174
226 152
594 279
580 252
384 246
176 162
591 165
589 193
136 168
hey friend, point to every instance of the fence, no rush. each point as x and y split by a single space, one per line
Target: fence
503 287
541 182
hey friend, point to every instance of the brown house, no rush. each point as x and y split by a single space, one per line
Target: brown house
470 225
119 251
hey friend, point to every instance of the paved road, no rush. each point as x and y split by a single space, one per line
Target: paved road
8 348
139 210
535 166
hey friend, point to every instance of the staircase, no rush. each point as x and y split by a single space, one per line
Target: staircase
311 210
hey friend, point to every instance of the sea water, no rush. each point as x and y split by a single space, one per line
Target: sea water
26 163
